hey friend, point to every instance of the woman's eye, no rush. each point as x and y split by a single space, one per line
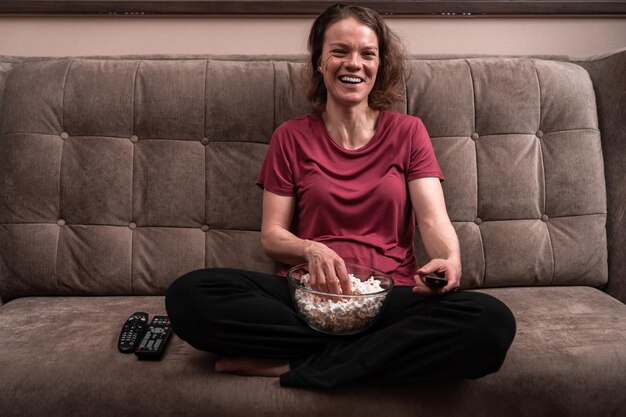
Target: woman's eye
338 52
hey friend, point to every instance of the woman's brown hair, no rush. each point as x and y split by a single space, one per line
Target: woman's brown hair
386 90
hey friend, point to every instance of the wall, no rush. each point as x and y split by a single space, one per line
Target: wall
63 36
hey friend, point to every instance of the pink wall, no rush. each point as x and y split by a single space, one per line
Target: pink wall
58 36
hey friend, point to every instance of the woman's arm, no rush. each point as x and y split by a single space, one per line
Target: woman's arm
437 233
327 271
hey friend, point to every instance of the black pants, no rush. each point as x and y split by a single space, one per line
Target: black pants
241 313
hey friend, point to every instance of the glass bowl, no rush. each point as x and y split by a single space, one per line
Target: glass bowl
339 314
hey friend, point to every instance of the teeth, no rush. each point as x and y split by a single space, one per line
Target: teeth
347 79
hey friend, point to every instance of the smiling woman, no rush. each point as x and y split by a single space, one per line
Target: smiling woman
345 186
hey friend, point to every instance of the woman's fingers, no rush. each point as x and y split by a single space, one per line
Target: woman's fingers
327 271
330 277
317 277
344 279
440 267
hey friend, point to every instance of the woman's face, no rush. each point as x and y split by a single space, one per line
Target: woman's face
349 62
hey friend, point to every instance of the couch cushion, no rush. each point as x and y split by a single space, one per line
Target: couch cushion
519 144
117 176
568 358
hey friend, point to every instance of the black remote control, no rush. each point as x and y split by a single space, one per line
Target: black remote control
132 332
153 342
435 281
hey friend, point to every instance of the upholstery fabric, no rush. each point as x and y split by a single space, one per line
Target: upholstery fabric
5 67
117 176
519 144
566 352
607 73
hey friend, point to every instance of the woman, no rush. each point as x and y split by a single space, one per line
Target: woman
346 185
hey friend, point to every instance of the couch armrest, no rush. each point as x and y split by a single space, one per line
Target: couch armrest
608 75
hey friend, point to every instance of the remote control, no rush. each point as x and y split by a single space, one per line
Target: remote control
435 281
153 342
132 331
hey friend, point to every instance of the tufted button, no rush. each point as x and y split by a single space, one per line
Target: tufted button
474 136
61 222
64 135
204 141
544 217
478 220
134 139
132 225
539 134
205 228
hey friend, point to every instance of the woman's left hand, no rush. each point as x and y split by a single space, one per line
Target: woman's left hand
451 270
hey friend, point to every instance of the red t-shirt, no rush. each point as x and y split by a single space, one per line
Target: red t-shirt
354 201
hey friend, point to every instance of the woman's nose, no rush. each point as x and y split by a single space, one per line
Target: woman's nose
354 61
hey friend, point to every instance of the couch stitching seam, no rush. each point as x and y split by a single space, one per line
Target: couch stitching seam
132 182
274 91
482 243
56 263
206 165
543 171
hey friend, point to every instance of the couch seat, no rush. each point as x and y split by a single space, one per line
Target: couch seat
61 351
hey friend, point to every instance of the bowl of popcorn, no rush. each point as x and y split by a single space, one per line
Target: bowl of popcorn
341 314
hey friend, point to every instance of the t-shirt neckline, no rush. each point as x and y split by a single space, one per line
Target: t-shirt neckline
372 141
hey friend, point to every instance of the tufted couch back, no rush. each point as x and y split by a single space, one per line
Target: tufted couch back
118 175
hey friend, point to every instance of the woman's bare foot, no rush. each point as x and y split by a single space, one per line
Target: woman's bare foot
252 366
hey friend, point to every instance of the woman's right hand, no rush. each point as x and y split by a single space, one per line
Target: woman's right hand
327 270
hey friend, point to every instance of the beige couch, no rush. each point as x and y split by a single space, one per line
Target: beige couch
118 174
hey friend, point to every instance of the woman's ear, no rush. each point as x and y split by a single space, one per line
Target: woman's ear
319 62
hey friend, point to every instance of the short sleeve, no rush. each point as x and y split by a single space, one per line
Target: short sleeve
423 162
276 172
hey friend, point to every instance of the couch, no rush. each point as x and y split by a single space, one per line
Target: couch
119 174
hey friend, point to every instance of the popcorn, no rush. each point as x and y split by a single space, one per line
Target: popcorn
339 314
